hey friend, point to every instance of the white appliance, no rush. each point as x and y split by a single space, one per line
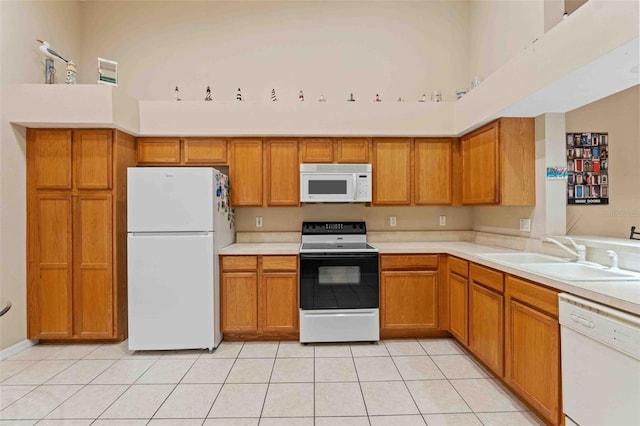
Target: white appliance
335 183
339 283
600 364
177 218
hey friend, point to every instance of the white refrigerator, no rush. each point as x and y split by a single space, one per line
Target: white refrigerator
177 219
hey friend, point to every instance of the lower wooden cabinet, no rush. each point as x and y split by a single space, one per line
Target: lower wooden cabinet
486 317
259 297
532 346
408 295
459 298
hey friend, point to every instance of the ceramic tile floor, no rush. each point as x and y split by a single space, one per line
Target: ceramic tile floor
391 383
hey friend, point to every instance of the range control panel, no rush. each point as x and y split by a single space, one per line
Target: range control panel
329 228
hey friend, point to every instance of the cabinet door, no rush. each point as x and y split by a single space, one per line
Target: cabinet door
480 166
534 357
205 151
49 157
432 159
50 267
239 301
158 150
391 171
317 150
245 172
283 187
408 300
93 301
352 150
486 322
458 304
279 301
92 159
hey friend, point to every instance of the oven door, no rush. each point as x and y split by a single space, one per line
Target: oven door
338 281
327 188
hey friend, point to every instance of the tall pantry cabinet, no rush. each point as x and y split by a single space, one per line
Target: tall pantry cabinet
76 233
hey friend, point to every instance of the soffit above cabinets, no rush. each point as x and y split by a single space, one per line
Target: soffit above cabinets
584 58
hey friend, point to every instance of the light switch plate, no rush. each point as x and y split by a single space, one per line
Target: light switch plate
392 221
525 225
443 220
258 221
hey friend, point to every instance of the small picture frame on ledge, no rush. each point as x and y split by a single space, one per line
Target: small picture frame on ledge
107 72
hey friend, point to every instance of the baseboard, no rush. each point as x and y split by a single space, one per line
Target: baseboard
14 349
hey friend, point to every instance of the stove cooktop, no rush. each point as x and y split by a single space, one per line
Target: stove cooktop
336 247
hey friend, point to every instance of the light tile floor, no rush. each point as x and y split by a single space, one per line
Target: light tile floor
391 383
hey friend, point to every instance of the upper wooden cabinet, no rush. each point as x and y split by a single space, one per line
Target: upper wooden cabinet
316 150
392 171
188 151
432 174
51 158
158 151
283 172
352 150
339 150
92 159
532 345
498 163
76 233
207 151
245 172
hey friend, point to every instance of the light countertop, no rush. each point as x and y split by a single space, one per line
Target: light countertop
624 295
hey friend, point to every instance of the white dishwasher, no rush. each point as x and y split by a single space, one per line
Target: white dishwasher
600 364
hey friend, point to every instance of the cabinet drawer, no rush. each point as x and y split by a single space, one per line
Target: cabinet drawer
459 266
427 261
239 263
487 277
533 294
279 263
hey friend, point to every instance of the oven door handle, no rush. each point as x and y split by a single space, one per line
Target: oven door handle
332 255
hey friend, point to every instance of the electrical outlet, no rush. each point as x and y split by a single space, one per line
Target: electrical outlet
525 225
392 221
258 221
443 220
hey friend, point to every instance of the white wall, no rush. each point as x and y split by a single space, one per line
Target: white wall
390 48
618 115
21 23
498 29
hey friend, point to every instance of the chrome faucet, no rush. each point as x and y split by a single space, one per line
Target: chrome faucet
580 252
613 256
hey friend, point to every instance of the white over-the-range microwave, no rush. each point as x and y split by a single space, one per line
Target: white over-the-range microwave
335 183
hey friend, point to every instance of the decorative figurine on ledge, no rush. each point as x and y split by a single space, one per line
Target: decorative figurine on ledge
400 99
377 98
351 98
322 99
176 94
301 96
273 96
71 73
49 69
423 98
238 95
208 96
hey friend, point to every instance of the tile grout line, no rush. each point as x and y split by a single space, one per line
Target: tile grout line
224 382
364 401
174 387
405 383
273 366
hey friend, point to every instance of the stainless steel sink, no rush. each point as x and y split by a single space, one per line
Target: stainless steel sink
522 257
571 271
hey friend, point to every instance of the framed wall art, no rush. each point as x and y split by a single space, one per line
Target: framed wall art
587 168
